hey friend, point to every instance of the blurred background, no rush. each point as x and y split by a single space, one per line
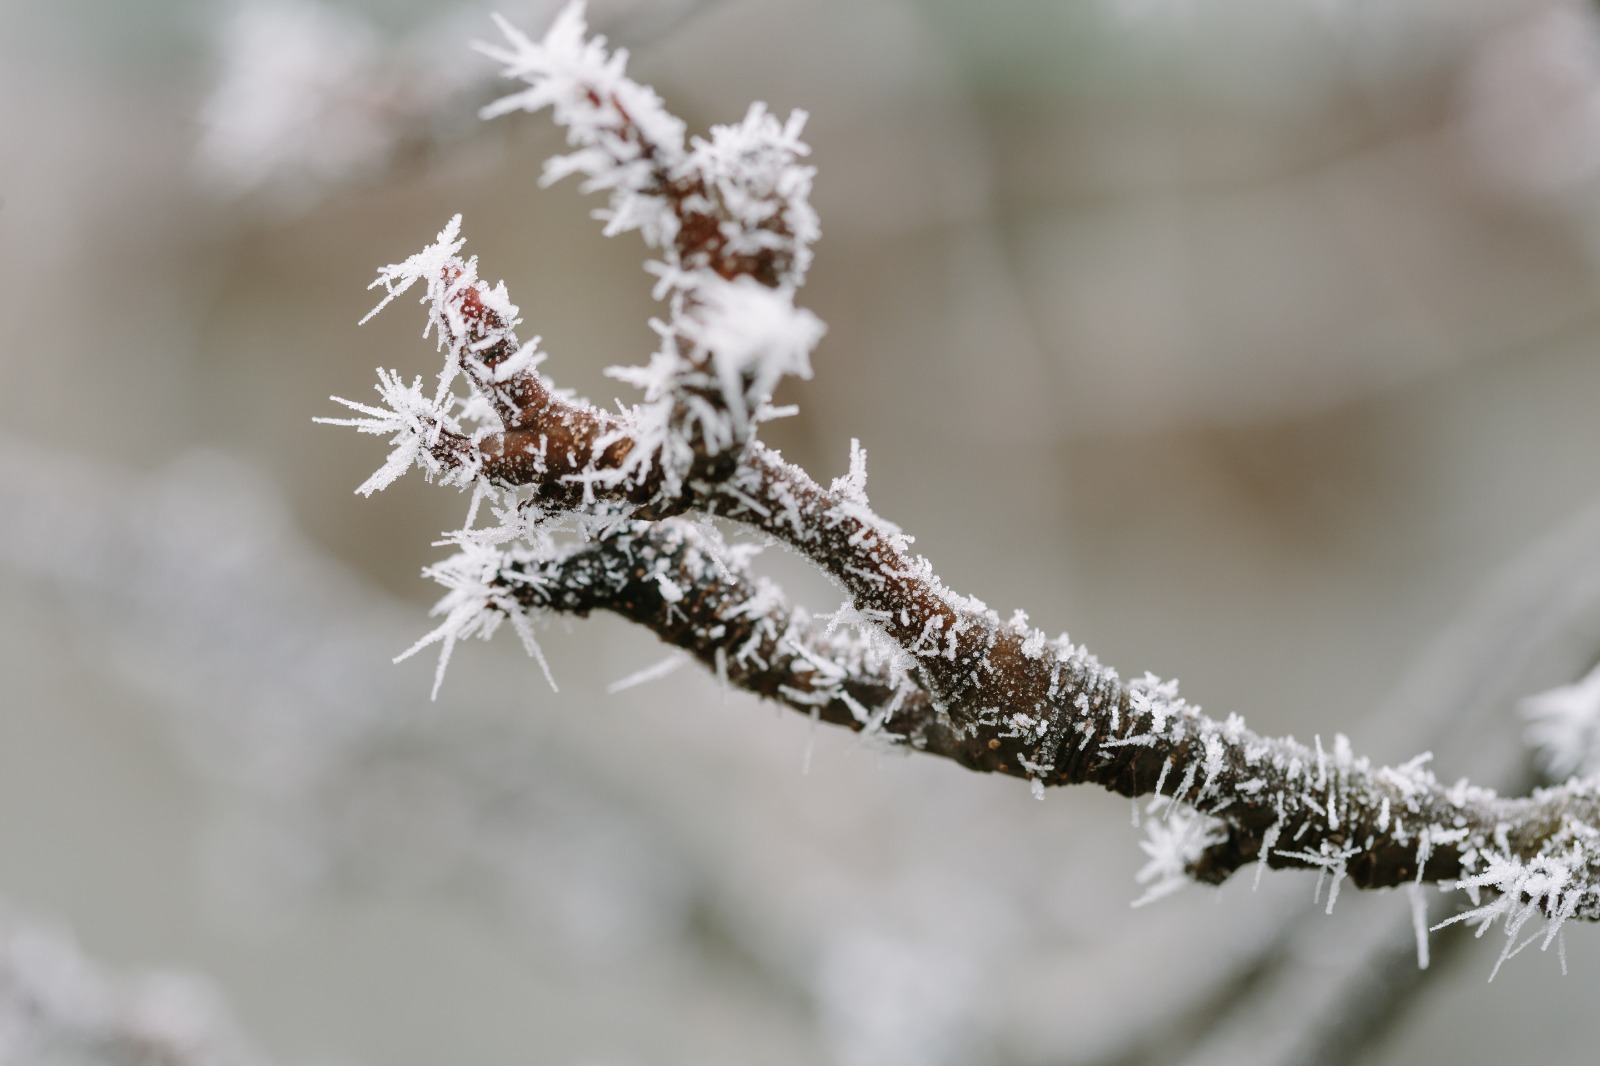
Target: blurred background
1253 342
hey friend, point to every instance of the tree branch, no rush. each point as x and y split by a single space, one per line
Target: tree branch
594 512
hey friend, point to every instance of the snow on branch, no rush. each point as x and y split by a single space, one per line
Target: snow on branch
736 204
600 511
730 214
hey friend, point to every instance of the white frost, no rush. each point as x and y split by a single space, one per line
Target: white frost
1173 842
1544 890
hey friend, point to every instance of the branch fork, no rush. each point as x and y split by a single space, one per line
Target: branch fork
606 511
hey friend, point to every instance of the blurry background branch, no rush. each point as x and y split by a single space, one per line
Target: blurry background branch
58 1006
313 98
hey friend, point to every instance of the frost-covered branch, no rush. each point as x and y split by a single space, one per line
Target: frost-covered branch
730 215
597 510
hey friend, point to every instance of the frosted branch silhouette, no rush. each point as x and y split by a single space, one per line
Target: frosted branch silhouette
589 509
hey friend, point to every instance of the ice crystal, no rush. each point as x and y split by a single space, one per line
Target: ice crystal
754 169
1546 890
414 423
752 337
478 600
1173 842
622 135
1419 921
